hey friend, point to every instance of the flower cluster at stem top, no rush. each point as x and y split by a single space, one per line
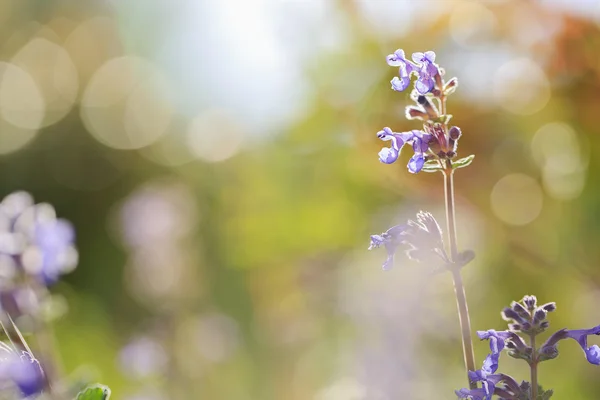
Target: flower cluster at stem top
528 319
436 141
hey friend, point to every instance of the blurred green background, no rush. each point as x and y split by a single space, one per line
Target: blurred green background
219 162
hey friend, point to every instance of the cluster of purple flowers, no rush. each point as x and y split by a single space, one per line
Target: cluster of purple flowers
33 241
527 318
36 248
436 141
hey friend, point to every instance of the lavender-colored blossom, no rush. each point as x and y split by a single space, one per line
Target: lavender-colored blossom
427 71
54 239
405 68
423 65
592 353
424 236
420 143
487 379
390 239
549 349
388 155
23 371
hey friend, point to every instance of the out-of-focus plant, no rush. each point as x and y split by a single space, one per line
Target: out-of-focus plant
435 149
36 248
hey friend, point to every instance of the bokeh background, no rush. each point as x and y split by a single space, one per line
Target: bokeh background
219 162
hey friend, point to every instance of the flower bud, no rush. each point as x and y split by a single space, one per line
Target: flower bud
519 309
510 314
429 108
530 302
415 113
539 316
549 307
454 133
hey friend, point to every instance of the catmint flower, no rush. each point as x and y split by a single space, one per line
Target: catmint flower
422 237
423 65
398 59
420 142
427 71
390 155
592 353
55 240
22 371
530 302
486 375
420 146
390 239
519 309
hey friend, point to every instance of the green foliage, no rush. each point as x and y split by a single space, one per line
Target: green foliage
463 162
432 166
94 392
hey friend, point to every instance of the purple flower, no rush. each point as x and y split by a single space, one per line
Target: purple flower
427 71
405 68
391 239
423 238
592 353
420 142
423 65
54 239
388 155
24 372
487 379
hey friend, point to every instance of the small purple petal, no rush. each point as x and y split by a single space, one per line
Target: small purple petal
429 56
400 84
593 354
416 163
388 155
424 84
418 57
396 59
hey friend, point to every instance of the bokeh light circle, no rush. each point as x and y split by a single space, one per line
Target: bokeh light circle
556 149
472 24
517 199
127 104
21 102
521 87
214 136
54 73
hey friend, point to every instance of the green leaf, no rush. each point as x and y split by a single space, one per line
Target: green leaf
545 395
463 162
94 392
432 166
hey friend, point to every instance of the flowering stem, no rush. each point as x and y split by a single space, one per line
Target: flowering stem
533 367
459 289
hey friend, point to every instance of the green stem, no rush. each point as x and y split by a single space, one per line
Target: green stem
459 288
533 367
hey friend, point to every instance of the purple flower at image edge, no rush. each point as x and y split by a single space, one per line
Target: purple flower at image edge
24 371
592 353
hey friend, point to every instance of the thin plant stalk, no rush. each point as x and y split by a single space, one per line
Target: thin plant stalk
533 367
459 288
